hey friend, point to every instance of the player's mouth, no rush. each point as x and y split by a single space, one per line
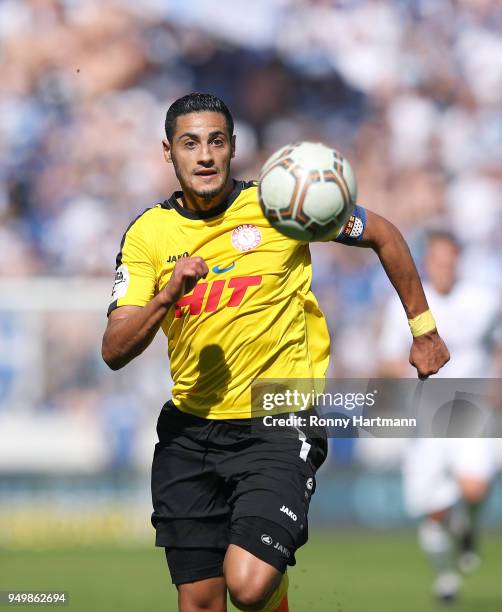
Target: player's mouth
206 173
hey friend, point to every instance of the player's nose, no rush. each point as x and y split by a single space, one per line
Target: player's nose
206 156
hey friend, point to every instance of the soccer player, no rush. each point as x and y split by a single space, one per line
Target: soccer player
233 297
446 480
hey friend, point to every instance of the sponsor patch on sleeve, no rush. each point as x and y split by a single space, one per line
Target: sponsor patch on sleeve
121 283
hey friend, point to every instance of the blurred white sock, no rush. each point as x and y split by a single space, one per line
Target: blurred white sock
447 585
437 543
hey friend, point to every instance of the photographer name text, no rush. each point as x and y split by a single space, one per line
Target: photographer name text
313 420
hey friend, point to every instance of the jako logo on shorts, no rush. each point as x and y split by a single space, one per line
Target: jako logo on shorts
289 512
266 539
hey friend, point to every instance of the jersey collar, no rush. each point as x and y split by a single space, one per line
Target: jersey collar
172 202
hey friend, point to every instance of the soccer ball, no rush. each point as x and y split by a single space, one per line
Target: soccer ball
307 191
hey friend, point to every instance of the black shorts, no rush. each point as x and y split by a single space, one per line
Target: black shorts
216 482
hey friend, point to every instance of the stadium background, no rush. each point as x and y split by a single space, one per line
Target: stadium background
410 91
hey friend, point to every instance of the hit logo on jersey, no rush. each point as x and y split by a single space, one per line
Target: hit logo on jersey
238 284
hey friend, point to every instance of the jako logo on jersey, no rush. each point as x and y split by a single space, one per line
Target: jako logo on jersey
238 285
309 484
174 258
266 539
246 237
289 512
218 270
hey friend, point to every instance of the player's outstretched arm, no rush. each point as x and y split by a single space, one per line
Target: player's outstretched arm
428 352
131 329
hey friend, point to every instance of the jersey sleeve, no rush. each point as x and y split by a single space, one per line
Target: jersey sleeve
135 274
353 231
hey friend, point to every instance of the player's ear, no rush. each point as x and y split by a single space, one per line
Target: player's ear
232 145
166 147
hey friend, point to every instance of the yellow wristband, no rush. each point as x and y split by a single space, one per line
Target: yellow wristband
422 323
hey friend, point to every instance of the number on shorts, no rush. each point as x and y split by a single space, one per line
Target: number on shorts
305 447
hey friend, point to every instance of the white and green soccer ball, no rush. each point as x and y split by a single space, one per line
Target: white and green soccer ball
307 191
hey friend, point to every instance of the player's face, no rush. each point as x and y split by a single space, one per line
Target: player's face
441 264
201 151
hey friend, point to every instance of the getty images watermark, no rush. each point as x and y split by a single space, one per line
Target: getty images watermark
435 408
299 401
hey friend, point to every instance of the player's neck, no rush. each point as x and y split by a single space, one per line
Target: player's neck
192 201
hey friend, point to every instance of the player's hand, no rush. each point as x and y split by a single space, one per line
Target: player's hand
186 274
428 354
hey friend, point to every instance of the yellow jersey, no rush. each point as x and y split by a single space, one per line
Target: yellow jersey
253 317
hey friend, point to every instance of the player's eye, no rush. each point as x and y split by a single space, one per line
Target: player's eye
190 144
218 142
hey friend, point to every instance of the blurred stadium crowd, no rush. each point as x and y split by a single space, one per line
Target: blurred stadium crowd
409 90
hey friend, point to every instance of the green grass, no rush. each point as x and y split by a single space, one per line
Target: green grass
336 572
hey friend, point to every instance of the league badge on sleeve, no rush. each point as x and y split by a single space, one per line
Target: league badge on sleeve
121 283
354 227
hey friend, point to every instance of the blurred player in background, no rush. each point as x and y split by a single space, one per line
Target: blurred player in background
447 480
230 504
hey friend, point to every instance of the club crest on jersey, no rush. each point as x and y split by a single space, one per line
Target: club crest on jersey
246 237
